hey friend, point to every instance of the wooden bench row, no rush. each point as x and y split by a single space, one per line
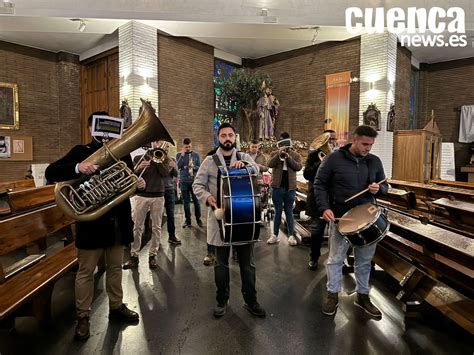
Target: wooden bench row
26 284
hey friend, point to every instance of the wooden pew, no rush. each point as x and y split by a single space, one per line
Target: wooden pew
9 186
432 262
16 185
26 286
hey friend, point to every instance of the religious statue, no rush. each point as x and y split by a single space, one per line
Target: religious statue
372 117
126 113
391 118
267 108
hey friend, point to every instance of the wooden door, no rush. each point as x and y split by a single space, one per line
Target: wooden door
99 87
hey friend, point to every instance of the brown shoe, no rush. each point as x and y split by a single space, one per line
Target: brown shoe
152 262
208 260
363 301
330 307
82 328
174 240
124 314
131 264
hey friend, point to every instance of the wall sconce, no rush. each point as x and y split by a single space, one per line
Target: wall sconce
371 85
354 79
123 80
146 82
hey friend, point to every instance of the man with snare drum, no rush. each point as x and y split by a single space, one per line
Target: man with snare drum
343 174
205 188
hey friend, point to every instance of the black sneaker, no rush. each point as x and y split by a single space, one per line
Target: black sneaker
186 224
363 301
200 224
220 309
255 309
131 264
174 240
152 262
313 265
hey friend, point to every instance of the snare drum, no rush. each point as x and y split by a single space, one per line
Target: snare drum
239 197
364 225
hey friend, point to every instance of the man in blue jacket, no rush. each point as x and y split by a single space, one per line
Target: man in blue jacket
188 163
341 175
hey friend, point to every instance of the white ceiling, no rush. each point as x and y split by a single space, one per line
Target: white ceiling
234 26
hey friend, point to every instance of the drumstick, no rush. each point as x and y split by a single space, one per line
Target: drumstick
364 191
336 219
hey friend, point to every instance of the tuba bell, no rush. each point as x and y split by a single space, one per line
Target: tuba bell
321 144
89 197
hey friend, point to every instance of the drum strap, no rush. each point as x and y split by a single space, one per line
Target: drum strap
218 164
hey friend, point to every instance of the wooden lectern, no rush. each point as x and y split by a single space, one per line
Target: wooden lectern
417 154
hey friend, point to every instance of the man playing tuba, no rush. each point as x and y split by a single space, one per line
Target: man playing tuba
105 235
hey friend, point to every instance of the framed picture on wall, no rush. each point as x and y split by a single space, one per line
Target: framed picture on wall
9 109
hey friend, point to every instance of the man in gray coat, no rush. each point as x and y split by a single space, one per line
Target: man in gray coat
205 188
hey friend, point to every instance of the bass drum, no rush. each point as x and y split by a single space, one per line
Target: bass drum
364 225
239 197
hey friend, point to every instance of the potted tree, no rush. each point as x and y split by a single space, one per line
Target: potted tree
244 86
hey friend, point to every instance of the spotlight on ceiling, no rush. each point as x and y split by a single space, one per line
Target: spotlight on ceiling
82 23
82 26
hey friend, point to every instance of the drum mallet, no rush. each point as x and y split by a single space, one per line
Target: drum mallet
363 191
218 212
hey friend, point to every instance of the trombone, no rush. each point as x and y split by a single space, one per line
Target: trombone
158 155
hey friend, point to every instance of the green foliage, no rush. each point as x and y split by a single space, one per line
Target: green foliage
244 86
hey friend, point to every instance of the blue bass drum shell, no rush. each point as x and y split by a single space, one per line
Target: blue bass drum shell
239 196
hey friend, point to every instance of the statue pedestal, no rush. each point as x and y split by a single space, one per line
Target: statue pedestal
469 169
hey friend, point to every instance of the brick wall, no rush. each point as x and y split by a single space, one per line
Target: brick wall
443 88
49 100
402 88
186 92
300 85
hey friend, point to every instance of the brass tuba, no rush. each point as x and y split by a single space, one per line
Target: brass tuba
89 197
321 144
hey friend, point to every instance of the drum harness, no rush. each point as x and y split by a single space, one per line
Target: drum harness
218 163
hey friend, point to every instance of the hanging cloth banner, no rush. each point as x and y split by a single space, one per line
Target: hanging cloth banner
338 93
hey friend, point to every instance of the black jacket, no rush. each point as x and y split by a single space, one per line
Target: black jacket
309 173
99 233
341 175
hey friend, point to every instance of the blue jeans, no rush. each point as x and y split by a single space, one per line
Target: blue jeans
317 235
283 200
337 252
247 273
187 192
170 200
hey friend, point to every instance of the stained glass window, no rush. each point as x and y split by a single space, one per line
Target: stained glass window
224 110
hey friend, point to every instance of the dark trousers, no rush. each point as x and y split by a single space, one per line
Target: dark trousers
170 200
187 192
317 235
247 273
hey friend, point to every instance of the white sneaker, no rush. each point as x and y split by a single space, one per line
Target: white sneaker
273 240
292 241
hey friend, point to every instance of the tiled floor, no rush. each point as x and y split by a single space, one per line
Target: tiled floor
175 302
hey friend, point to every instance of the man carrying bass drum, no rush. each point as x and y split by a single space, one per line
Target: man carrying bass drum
205 188
341 175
